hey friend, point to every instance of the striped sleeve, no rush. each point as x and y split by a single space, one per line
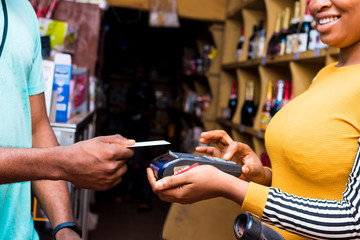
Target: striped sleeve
318 218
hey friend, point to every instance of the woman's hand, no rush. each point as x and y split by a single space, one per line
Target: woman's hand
242 154
199 183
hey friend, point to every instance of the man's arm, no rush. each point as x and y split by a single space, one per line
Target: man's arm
53 195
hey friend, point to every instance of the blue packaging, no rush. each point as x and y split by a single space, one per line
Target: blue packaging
62 77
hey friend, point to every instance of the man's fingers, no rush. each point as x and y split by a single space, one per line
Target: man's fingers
117 139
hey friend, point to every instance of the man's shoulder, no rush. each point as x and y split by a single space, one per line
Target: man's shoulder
24 8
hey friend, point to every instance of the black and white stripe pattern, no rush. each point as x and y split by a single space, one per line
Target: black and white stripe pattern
318 218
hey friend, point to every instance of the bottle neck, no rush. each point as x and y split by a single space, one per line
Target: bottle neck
297 10
286 19
233 90
277 24
287 91
280 91
269 92
249 94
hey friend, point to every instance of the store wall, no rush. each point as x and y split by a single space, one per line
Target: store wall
212 10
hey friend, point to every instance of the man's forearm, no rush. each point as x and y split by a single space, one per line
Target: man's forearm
52 195
22 164
54 199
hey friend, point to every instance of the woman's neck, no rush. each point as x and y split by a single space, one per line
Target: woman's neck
349 55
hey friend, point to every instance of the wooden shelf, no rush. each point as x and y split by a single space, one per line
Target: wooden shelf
298 68
236 6
314 56
241 128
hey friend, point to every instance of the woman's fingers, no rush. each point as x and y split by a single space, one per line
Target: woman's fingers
218 137
209 150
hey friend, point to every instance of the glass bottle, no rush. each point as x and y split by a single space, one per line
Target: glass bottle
291 38
233 100
284 30
240 43
248 109
274 43
279 97
266 111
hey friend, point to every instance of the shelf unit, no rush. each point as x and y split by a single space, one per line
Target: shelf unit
299 68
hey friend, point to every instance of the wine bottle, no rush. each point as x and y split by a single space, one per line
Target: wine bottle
260 42
291 38
313 34
305 28
284 30
279 97
248 109
266 111
240 44
251 43
274 43
233 100
287 95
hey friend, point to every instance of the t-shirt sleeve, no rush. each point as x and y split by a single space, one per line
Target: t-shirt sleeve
256 198
36 82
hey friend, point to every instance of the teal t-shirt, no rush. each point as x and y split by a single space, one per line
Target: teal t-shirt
20 77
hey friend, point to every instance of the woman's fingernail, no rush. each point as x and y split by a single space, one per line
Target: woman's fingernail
159 184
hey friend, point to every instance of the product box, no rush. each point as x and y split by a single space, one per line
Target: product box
48 68
61 85
57 31
79 91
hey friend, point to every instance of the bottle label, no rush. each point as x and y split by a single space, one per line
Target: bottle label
250 50
261 47
303 40
312 39
265 119
238 54
289 43
282 47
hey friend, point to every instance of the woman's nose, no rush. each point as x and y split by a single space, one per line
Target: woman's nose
319 5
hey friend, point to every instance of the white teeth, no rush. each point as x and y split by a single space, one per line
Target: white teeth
327 20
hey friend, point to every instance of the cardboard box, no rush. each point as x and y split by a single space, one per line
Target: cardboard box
61 85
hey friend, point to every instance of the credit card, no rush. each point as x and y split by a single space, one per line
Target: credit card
149 143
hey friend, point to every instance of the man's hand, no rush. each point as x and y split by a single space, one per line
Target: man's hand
98 163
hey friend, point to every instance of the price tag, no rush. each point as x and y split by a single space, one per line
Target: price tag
296 56
263 61
317 52
241 128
